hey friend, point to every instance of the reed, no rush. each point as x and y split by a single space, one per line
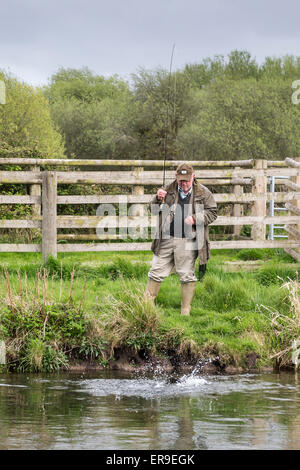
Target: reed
285 328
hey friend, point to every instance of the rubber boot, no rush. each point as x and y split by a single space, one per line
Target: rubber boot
202 270
187 294
152 289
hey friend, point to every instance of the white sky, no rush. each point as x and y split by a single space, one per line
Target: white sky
118 36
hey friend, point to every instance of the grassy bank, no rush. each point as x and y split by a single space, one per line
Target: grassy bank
90 306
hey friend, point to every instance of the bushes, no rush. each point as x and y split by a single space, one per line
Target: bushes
39 356
275 274
264 254
250 254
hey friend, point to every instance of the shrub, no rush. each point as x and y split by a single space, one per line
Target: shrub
250 254
275 274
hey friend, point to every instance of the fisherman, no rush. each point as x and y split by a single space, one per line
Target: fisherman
185 209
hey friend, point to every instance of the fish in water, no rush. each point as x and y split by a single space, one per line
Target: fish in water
173 378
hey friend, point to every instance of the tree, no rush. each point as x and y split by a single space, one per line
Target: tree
287 67
239 65
204 73
163 103
93 113
25 121
243 119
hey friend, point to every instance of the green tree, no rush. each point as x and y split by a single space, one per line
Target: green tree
205 72
25 121
238 65
93 113
243 119
286 67
163 104
241 65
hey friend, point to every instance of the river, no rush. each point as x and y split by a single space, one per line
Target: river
113 410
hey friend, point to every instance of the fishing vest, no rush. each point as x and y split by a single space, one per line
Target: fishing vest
178 228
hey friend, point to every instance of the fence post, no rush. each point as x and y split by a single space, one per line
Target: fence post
237 208
259 207
49 199
138 209
296 203
35 190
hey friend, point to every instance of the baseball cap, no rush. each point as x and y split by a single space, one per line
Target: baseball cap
184 172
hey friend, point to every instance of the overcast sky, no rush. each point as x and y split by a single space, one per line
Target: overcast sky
119 36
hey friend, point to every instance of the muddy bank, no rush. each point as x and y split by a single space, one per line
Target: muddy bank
130 361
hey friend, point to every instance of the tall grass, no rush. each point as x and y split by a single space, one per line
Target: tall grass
285 328
37 320
129 319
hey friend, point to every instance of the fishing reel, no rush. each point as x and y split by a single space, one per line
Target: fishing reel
161 207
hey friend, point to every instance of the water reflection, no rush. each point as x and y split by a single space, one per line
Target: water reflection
110 410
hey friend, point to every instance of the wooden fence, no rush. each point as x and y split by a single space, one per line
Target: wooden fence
248 181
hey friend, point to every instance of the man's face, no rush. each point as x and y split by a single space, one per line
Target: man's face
186 185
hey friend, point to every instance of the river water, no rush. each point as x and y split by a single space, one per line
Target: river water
112 410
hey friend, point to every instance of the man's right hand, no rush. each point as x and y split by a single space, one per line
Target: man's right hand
161 194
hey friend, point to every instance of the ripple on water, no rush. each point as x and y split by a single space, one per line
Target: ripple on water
13 385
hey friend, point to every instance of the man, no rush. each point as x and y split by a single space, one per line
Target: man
186 208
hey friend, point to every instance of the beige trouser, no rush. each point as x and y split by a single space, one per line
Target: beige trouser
174 252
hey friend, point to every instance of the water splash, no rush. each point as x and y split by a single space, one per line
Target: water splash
156 386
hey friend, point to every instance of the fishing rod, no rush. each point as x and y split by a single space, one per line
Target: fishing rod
167 121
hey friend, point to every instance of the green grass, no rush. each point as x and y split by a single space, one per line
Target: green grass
89 305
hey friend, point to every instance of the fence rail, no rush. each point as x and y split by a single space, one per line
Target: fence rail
148 178
249 180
